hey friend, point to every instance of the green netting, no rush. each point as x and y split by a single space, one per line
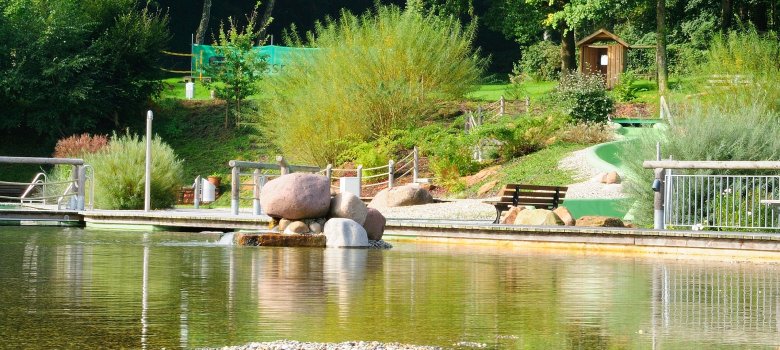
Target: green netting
278 57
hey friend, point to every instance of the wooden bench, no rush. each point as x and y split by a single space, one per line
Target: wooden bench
540 197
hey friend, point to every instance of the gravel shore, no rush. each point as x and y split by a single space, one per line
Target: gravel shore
353 345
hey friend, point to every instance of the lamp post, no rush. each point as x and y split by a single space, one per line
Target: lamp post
148 176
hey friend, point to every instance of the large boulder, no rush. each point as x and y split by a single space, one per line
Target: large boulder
511 215
401 196
599 221
345 233
565 216
348 206
375 224
538 217
296 196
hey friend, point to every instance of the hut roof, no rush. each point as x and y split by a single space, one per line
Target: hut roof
602 34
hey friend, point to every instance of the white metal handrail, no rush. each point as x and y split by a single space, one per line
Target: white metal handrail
33 184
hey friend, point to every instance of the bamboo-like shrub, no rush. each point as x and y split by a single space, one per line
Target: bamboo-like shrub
119 173
369 74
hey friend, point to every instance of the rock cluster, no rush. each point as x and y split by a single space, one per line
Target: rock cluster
558 217
301 204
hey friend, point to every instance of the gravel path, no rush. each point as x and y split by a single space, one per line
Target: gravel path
590 185
455 209
355 345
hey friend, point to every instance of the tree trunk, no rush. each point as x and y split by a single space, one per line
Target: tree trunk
568 54
726 12
660 49
204 23
269 8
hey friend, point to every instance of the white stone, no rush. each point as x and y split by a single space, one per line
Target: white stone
345 233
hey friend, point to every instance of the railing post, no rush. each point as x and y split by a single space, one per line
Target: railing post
360 179
81 182
197 191
284 168
329 172
390 175
501 107
235 189
416 164
256 192
658 200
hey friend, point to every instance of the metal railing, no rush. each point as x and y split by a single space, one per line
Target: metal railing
75 190
721 201
716 201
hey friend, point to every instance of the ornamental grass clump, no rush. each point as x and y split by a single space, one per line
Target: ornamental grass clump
119 173
368 75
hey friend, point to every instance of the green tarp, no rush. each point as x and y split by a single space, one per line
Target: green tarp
277 56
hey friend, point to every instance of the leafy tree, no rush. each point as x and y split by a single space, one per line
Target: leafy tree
71 66
237 76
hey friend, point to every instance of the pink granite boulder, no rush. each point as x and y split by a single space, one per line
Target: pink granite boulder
348 206
296 196
375 224
401 196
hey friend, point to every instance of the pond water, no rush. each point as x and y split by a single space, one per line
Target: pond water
84 288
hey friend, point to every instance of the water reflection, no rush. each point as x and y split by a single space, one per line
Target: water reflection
84 288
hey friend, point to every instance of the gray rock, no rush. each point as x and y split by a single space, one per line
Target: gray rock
401 196
375 224
348 206
345 233
297 227
296 196
538 217
315 227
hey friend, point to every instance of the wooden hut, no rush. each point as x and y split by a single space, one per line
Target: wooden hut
605 53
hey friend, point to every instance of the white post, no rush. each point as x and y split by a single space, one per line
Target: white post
197 190
390 175
415 165
501 108
329 173
235 189
256 192
360 179
148 176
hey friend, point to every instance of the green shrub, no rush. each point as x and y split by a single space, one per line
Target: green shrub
587 133
516 89
370 74
520 136
541 61
584 97
119 173
624 91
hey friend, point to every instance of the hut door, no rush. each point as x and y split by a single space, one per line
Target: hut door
617 62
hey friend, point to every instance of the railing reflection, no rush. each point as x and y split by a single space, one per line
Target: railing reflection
739 302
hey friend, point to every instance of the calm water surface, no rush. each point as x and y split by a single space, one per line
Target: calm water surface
84 288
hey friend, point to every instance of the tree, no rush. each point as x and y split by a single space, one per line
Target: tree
203 26
237 76
74 66
660 51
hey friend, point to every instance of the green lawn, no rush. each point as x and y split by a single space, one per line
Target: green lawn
493 92
174 88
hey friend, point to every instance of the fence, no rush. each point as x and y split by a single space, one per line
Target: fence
716 201
41 190
365 177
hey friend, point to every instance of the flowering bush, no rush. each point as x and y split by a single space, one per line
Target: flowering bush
79 145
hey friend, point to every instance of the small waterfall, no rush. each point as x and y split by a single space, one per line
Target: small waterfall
228 238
